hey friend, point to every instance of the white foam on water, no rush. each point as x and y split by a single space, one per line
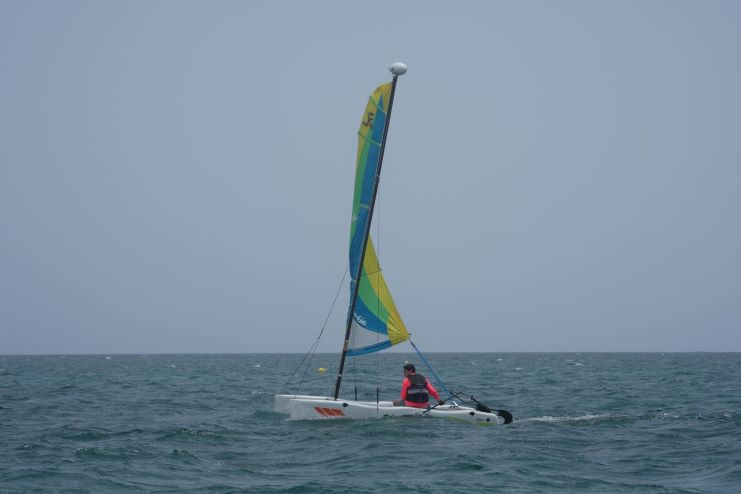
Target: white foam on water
666 415
555 420
257 365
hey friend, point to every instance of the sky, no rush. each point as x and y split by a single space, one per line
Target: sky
176 176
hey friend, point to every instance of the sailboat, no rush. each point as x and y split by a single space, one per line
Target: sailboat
373 320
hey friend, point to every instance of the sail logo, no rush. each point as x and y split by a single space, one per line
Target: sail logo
369 119
360 319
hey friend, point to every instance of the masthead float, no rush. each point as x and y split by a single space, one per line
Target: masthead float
373 322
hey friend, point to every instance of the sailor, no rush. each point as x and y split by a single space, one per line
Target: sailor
415 390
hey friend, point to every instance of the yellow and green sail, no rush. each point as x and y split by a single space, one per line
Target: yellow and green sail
376 323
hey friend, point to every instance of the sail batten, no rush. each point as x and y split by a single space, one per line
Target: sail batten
368 139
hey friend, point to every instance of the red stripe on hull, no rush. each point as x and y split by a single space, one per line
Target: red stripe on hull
329 412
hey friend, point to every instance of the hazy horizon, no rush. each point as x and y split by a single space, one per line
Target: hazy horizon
111 354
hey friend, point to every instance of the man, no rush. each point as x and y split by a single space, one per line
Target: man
415 390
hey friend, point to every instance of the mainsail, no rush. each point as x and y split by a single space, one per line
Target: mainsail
376 323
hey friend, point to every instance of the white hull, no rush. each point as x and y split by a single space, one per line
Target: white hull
306 407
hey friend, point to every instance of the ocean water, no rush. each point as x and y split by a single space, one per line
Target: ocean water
584 422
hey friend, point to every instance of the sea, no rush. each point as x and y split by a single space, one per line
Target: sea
583 422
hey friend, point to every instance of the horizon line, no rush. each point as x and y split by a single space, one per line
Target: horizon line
105 354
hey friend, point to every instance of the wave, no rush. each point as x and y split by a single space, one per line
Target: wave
649 415
74 434
93 453
183 454
578 418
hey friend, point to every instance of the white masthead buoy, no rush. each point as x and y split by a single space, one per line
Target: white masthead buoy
398 68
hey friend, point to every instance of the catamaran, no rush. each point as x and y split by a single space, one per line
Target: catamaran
373 321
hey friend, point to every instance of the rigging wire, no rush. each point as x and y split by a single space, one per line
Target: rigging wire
312 349
355 377
378 283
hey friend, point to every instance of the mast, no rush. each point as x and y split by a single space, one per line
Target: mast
396 69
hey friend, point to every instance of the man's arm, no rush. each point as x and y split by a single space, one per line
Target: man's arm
432 390
404 386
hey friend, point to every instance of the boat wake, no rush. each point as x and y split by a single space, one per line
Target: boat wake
589 417
616 417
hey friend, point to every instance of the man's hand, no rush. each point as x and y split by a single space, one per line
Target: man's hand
440 402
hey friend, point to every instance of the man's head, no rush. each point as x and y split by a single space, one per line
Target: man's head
409 370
